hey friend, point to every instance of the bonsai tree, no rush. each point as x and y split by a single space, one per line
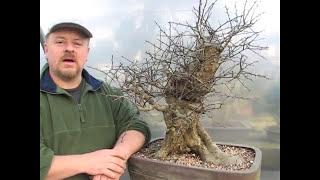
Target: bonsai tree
189 64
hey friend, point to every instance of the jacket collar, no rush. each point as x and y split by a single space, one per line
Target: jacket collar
48 85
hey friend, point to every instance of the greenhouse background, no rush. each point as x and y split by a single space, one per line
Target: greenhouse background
120 28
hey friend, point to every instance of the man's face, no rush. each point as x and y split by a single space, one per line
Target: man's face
67 52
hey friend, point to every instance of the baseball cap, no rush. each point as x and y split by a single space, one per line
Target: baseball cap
71 26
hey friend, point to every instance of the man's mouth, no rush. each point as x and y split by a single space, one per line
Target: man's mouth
68 60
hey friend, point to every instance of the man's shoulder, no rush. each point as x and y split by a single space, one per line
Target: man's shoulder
42 94
110 89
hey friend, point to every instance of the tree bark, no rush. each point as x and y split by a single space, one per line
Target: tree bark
185 135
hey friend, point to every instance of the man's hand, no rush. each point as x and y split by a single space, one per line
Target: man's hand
107 163
128 143
102 177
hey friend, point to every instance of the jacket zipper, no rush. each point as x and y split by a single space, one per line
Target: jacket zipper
81 113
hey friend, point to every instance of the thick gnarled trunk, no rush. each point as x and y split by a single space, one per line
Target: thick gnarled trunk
185 97
185 135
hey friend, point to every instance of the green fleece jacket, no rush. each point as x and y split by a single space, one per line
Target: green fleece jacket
67 127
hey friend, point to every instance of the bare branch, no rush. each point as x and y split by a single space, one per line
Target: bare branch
190 61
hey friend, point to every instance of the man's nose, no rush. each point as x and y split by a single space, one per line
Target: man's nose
69 47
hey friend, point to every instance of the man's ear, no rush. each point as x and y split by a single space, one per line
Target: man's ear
88 52
45 48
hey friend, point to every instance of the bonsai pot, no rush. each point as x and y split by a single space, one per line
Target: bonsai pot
148 169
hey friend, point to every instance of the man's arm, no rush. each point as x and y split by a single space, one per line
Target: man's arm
107 162
129 142
110 163
64 166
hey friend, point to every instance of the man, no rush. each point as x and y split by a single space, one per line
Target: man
87 130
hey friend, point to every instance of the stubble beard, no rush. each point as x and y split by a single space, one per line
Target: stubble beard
67 74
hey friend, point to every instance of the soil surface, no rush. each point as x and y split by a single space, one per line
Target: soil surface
247 154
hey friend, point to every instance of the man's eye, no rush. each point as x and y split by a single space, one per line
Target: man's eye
78 44
59 42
